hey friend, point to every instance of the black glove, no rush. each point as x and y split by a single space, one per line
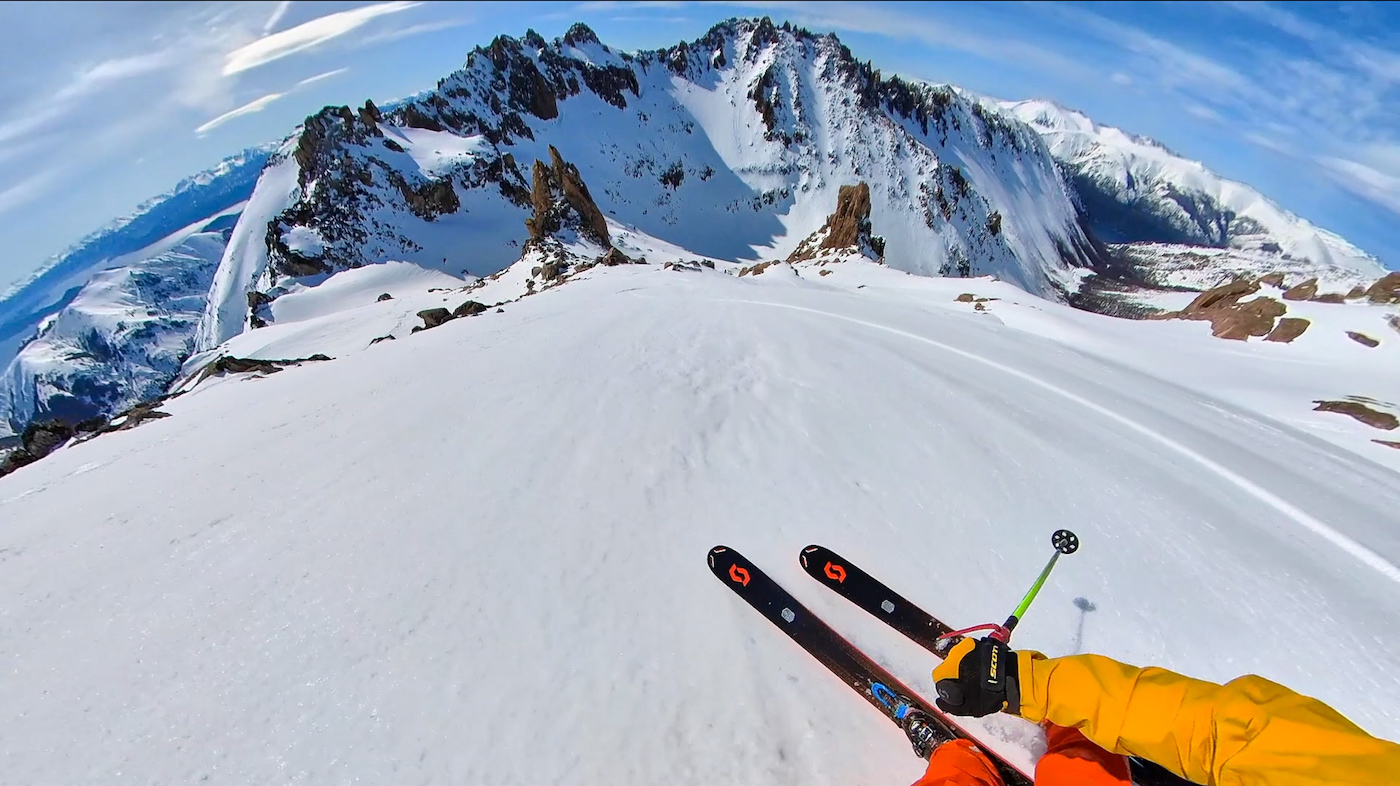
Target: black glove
979 677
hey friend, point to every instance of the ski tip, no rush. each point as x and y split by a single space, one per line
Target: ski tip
714 551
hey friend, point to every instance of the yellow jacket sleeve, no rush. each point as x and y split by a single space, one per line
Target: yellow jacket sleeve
1247 732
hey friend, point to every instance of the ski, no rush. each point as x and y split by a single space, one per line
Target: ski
870 594
876 685
924 629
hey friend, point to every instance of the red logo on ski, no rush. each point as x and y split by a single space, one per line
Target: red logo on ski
739 575
836 572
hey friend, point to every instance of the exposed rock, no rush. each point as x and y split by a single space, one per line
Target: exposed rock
227 364
384 297
1230 318
847 227
580 34
823 272
468 309
1385 290
1287 329
966 297
1357 291
1225 295
1388 443
615 257
1330 297
979 307
146 410
756 270
1394 322
1362 338
389 337
1361 412
1273 280
1306 290
561 200
851 221
432 317
39 439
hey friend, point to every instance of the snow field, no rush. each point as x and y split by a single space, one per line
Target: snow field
476 554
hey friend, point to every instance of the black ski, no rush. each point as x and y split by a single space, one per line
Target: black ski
873 596
876 685
870 594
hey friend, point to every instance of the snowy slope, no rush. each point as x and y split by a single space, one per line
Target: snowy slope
476 554
120 341
1136 190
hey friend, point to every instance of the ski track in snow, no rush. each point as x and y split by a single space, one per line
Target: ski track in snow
477 554
1366 556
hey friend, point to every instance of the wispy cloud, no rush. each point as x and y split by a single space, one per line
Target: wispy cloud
256 105
28 189
311 80
413 30
307 35
1364 180
277 14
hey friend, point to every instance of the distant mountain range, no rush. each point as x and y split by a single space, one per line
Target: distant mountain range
732 147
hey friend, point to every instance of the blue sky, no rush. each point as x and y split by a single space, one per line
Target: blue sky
106 104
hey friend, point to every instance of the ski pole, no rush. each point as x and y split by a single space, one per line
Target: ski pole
1065 542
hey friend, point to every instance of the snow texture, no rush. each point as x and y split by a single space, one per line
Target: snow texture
476 553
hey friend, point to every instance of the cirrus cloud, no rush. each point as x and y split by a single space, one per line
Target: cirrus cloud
306 35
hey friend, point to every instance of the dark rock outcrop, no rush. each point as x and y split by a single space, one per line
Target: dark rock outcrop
560 200
1386 289
1359 411
432 317
384 297
1228 317
468 309
1362 339
1305 290
1287 329
39 439
847 227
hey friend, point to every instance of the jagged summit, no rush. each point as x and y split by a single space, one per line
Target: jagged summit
733 146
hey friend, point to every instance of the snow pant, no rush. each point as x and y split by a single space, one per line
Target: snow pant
1069 760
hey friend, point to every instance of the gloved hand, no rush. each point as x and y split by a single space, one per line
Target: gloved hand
979 677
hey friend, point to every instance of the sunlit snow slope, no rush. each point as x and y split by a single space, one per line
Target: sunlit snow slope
476 554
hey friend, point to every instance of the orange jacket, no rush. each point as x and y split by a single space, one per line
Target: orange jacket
1247 732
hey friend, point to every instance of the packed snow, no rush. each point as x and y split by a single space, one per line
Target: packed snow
477 553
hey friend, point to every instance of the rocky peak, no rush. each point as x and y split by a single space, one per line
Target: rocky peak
846 231
561 200
580 34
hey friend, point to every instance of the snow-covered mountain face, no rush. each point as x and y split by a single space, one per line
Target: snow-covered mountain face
110 348
1134 190
87 331
733 146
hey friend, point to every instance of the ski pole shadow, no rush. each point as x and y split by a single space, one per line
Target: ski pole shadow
1085 606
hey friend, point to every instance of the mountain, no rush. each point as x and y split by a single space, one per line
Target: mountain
1159 206
732 146
109 347
143 267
